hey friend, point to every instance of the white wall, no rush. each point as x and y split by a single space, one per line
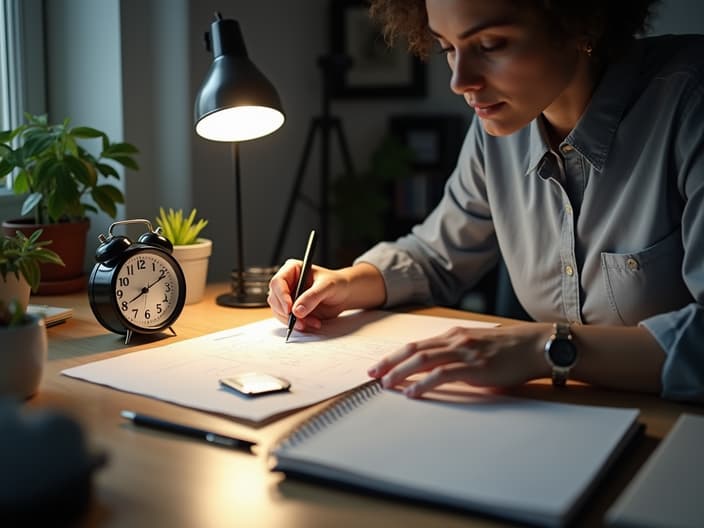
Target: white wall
132 68
84 75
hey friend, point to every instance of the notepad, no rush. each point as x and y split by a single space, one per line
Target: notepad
52 315
667 492
523 460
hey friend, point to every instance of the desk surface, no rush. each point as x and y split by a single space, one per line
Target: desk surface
158 479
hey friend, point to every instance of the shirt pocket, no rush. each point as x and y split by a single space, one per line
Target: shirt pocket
647 282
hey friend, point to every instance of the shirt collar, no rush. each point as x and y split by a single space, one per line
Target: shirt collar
595 131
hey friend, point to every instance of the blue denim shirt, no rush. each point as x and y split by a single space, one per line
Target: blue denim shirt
608 230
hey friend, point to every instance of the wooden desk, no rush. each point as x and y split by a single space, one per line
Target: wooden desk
158 479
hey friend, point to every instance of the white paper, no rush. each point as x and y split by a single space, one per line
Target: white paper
318 366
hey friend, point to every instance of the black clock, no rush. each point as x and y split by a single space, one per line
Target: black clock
136 287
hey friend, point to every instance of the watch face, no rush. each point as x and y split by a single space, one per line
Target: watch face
147 290
562 353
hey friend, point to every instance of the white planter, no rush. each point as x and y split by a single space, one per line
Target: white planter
194 262
22 357
13 288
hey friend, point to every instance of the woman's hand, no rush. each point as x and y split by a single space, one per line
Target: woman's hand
324 298
482 357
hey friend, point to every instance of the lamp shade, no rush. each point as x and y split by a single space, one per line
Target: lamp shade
236 102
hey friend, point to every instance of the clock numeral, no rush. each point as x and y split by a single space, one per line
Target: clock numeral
141 264
162 274
153 266
166 299
147 314
119 294
167 287
124 282
130 269
135 312
123 305
158 308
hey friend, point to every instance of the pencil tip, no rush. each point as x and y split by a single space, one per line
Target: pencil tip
288 334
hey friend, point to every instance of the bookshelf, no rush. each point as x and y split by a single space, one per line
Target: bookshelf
435 141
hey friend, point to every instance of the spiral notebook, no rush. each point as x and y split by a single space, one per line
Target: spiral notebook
523 460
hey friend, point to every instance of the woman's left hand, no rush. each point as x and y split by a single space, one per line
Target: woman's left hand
482 357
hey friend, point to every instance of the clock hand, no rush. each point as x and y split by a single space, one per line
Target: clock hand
142 292
153 283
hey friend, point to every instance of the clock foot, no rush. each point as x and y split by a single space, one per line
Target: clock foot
128 337
171 328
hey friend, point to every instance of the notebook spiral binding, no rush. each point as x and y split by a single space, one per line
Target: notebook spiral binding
331 414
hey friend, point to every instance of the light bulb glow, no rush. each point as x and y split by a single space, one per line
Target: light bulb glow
240 123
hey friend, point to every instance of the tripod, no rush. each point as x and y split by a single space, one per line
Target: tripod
325 124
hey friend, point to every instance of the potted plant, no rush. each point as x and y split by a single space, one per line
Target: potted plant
362 201
24 350
191 251
20 259
63 184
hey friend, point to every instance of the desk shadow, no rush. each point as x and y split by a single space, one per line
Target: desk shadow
329 493
614 480
98 344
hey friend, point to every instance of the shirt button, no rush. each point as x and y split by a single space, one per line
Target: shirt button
632 264
568 209
567 148
569 270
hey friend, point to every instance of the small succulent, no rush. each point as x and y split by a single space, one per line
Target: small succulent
179 229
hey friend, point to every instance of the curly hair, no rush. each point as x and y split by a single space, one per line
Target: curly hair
607 25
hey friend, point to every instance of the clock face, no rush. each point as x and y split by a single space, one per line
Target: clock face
147 290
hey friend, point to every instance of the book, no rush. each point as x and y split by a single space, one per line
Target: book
523 460
52 315
667 490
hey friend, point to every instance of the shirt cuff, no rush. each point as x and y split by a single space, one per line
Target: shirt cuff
404 279
680 334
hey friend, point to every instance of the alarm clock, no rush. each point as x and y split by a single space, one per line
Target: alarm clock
136 287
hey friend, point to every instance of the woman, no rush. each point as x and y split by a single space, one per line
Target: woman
584 167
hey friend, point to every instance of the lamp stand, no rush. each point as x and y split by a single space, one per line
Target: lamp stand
249 286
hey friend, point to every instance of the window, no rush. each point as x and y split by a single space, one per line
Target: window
21 62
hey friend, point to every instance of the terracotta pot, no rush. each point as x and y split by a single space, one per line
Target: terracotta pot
69 241
193 259
13 288
22 358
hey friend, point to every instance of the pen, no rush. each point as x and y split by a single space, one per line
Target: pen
185 430
305 269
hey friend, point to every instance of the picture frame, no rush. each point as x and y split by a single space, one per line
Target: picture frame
371 68
434 139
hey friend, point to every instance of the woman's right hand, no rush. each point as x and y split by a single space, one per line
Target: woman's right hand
327 293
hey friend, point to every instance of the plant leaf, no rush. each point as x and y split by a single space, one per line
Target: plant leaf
127 161
86 132
30 203
104 201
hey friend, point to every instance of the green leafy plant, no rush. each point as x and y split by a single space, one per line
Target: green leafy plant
11 314
179 229
22 255
58 174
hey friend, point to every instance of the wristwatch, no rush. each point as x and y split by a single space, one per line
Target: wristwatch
561 353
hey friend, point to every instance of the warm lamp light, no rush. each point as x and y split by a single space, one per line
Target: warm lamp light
235 103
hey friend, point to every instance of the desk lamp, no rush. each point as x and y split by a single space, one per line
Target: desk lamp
235 103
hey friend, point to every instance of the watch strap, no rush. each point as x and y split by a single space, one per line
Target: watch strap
561 332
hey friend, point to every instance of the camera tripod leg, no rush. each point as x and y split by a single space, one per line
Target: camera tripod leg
293 196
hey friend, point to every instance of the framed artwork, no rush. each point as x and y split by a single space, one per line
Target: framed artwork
434 139
371 68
